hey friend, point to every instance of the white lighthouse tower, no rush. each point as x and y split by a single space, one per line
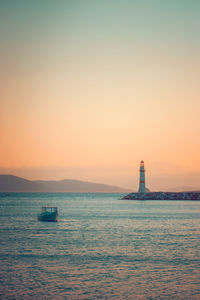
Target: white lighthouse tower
142 188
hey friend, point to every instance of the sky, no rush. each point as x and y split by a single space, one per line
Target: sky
92 87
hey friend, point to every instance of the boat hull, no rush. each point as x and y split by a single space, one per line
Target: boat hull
48 217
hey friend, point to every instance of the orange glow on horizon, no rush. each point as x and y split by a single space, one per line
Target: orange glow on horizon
77 94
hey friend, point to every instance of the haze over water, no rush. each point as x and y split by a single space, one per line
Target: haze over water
102 248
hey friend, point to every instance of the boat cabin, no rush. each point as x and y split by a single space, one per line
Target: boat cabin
49 209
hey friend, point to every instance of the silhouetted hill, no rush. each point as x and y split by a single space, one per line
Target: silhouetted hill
10 183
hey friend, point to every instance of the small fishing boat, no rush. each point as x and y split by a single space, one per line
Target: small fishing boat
48 214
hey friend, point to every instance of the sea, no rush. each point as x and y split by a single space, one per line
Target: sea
102 247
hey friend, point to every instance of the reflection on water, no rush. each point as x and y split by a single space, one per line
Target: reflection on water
101 248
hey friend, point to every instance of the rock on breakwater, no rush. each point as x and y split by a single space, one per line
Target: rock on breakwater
163 196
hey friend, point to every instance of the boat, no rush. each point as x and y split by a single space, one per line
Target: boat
48 214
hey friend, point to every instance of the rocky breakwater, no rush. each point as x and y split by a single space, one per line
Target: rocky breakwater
163 196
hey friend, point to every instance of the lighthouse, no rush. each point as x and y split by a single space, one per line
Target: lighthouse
142 188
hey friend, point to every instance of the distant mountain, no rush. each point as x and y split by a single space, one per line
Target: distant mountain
10 183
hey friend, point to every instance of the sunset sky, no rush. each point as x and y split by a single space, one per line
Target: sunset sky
92 87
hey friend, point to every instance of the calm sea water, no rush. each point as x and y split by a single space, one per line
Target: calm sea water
101 248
